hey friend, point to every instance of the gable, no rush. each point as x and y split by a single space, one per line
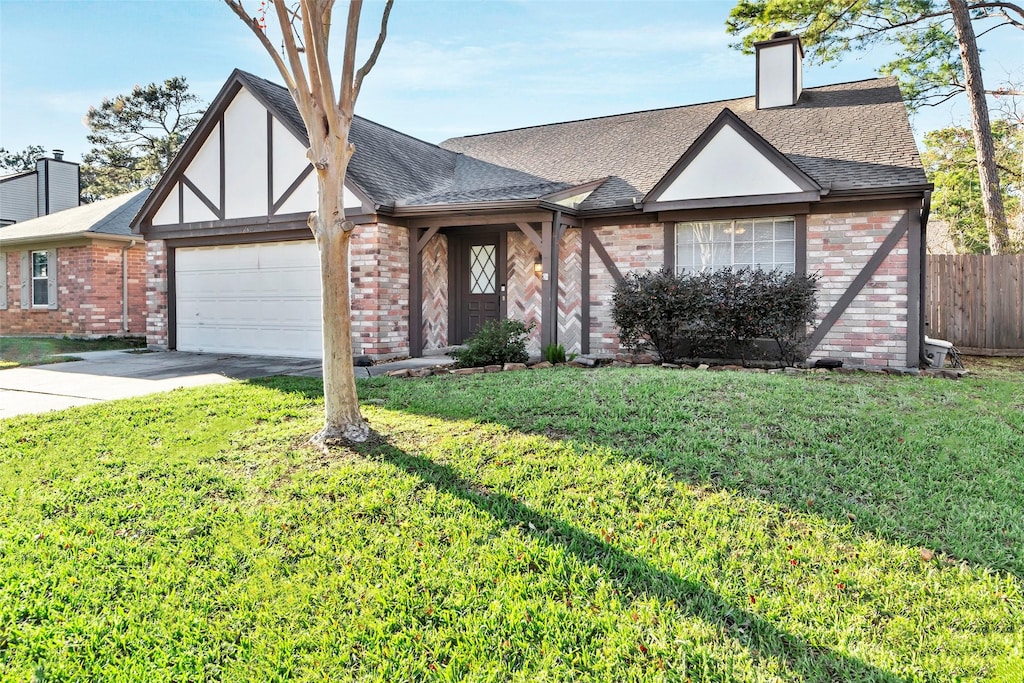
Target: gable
730 161
242 162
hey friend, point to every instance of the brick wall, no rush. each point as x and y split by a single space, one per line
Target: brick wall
435 293
379 257
156 294
873 330
631 248
89 294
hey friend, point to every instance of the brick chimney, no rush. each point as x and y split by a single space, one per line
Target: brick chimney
779 71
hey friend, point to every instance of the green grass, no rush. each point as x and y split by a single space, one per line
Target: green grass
553 525
20 351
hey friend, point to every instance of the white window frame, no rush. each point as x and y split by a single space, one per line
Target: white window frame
33 278
715 230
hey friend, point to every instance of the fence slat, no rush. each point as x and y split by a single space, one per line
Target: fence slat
976 301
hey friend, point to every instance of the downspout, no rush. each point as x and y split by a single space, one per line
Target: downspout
124 286
926 210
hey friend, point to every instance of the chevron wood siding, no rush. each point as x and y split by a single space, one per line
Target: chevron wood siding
570 302
435 293
524 286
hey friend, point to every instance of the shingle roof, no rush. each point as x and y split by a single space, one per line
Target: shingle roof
846 136
392 167
106 217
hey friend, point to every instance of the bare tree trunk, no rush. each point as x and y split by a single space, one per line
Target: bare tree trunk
991 197
342 420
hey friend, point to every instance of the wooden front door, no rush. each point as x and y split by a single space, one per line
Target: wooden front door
477 286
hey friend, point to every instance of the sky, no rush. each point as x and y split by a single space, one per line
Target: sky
448 68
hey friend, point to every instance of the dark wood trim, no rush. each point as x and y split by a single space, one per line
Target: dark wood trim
757 78
556 197
244 225
421 243
415 294
181 202
602 253
223 170
46 188
503 275
172 299
736 213
531 233
728 202
217 211
585 235
858 283
463 220
915 340
290 190
242 238
669 253
270 163
801 243
548 285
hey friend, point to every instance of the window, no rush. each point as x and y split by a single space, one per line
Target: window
40 278
766 243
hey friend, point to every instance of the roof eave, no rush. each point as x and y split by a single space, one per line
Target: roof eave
67 237
474 207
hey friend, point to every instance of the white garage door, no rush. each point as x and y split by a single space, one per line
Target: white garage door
261 299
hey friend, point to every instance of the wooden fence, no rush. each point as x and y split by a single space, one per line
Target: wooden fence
976 302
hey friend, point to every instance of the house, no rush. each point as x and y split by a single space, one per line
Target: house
539 223
51 186
78 272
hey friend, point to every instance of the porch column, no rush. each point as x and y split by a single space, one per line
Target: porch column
418 239
548 285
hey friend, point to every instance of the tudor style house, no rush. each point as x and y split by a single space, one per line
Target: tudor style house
539 223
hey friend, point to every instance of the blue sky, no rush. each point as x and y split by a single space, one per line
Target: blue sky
448 68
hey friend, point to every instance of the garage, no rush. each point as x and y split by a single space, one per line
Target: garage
259 299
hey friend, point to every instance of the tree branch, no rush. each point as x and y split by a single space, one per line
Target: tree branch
236 7
346 99
372 59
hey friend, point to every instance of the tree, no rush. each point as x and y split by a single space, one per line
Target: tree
928 34
305 67
135 137
949 160
24 160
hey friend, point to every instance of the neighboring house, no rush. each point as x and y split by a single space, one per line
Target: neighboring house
78 272
52 186
539 223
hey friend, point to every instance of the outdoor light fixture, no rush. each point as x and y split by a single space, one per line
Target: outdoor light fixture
538 266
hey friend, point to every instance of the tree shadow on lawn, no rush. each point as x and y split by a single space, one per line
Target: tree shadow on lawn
636 577
892 458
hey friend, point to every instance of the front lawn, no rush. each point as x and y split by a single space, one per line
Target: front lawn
618 524
17 351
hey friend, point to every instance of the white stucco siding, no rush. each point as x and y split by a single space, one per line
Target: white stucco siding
728 166
168 213
204 169
194 210
245 157
775 76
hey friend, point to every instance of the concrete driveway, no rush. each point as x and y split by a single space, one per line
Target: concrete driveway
107 375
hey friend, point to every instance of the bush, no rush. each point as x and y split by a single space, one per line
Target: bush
496 342
716 314
555 354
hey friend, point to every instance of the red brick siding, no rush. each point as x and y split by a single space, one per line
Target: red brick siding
379 256
873 330
631 248
89 294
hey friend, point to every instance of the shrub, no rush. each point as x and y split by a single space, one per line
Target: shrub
716 314
555 354
496 342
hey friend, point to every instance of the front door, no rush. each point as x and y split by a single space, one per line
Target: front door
476 287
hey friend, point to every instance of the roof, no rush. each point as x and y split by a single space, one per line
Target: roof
105 218
850 136
394 168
